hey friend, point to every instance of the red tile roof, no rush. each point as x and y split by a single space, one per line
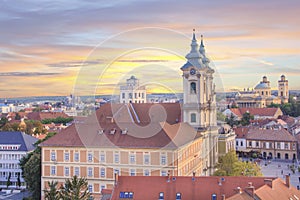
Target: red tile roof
241 131
279 190
149 187
45 115
157 130
271 112
270 134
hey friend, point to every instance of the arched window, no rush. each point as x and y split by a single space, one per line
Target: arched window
193 88
193 118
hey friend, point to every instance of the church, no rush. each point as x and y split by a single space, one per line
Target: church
261 96
141 139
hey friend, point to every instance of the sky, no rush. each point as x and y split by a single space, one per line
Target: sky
91 47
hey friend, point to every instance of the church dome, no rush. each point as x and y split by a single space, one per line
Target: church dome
262 85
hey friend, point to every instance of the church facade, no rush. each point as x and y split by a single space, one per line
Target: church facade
142 139
261 96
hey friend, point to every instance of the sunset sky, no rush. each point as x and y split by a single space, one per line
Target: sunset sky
91 47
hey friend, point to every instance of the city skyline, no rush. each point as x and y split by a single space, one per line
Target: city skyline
53 47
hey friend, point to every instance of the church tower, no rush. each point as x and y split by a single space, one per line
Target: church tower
199 101
283 89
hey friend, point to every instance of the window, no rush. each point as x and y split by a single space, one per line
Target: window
123 95
67 171
90 187
294 146
193 88
178 196
117 157
102 187
102 172
76 171
102 157
242 144
76 156
90 171
135 95
117 171
53 156
237 143
132 158
53 170
130 95
193 118
163 159
163 173
132 172
286 145
143 95
67 156
161 196
278 145
146 172
250 143
146 159
90 156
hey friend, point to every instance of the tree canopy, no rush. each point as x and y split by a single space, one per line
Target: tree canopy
229 165
75 189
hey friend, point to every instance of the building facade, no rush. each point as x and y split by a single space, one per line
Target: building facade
132 92
13 147
261 96
134 138
269 143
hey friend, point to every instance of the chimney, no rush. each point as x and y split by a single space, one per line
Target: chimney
223 197
116 178
239 190
269 182
288 181
194 174
250 189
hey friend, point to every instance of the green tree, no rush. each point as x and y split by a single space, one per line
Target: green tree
17 117
221 117
75 189
246 119
31 168
8 182
52 192
229 165
3 121
231 120
19 181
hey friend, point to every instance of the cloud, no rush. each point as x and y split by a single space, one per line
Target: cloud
27 74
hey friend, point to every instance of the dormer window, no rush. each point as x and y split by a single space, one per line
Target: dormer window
100 131
112 131
124 131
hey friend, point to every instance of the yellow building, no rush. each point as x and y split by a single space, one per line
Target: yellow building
261 96
142 138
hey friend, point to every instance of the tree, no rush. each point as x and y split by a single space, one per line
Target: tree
52 193
229 165
231 120
3 121
221 116
17 117
75 189
8 182
19 181
246 119
31 168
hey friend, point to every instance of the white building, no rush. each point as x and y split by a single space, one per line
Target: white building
132 92
13 146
